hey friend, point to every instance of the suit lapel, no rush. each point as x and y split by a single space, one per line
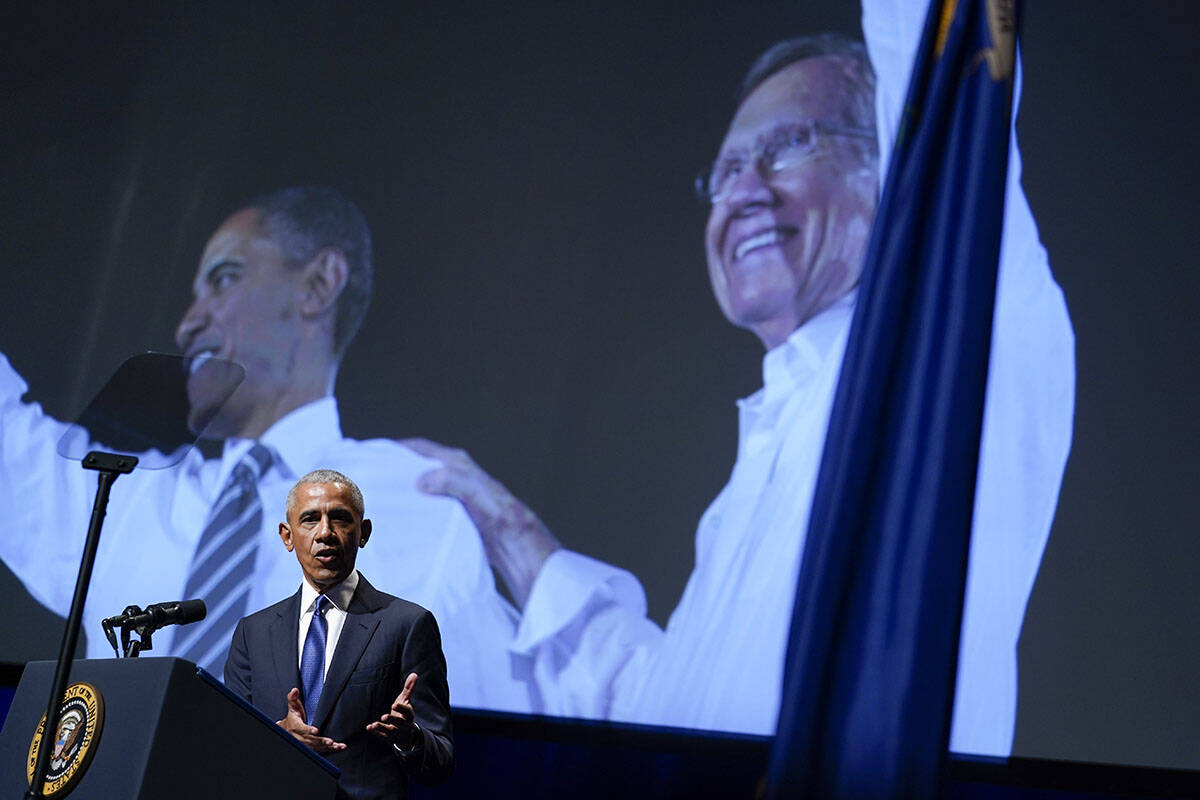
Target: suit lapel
285 645
360 625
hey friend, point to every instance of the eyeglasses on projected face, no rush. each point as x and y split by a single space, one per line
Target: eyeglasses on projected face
778 153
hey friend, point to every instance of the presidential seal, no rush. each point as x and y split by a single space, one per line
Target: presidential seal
79 725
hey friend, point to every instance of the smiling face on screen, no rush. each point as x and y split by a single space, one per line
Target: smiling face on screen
792 201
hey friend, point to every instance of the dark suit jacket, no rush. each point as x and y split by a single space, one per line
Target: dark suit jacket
383 640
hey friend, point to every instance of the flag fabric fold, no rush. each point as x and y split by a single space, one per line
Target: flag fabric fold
871 657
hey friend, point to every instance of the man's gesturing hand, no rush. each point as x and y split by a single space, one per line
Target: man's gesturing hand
516 541
397 726
294 724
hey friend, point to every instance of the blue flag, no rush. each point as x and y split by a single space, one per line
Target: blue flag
868 685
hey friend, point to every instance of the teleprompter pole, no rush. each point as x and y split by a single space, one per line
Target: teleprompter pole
110 466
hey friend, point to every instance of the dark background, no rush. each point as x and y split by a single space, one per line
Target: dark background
1110 652
541 294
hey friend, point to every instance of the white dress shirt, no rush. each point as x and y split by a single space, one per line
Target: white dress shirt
335 615
423 548
719 663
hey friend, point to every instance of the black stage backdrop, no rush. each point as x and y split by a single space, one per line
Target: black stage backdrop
541 296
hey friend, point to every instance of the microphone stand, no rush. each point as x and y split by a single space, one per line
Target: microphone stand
110 466
130 648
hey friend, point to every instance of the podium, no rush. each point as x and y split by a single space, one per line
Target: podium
168 730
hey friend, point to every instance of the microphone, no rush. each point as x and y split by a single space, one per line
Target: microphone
144 623
159 615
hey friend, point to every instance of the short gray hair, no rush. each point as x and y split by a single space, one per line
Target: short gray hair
326 476
858 87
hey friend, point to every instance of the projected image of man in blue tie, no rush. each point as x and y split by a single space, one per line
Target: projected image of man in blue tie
356 674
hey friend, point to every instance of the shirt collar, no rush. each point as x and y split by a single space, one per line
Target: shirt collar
339 595
802 354
298 439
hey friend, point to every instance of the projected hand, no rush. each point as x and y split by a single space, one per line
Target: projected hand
397 725
294 724
516 541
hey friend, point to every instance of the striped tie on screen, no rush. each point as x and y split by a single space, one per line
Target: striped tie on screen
223 564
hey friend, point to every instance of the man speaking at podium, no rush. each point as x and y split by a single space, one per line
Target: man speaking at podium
355 674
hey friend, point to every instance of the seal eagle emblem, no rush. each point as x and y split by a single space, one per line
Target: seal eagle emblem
80 721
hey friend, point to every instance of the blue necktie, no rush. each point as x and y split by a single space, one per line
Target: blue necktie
223 564
312 660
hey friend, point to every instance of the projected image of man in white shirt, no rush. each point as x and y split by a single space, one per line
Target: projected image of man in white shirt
282 288
793 193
